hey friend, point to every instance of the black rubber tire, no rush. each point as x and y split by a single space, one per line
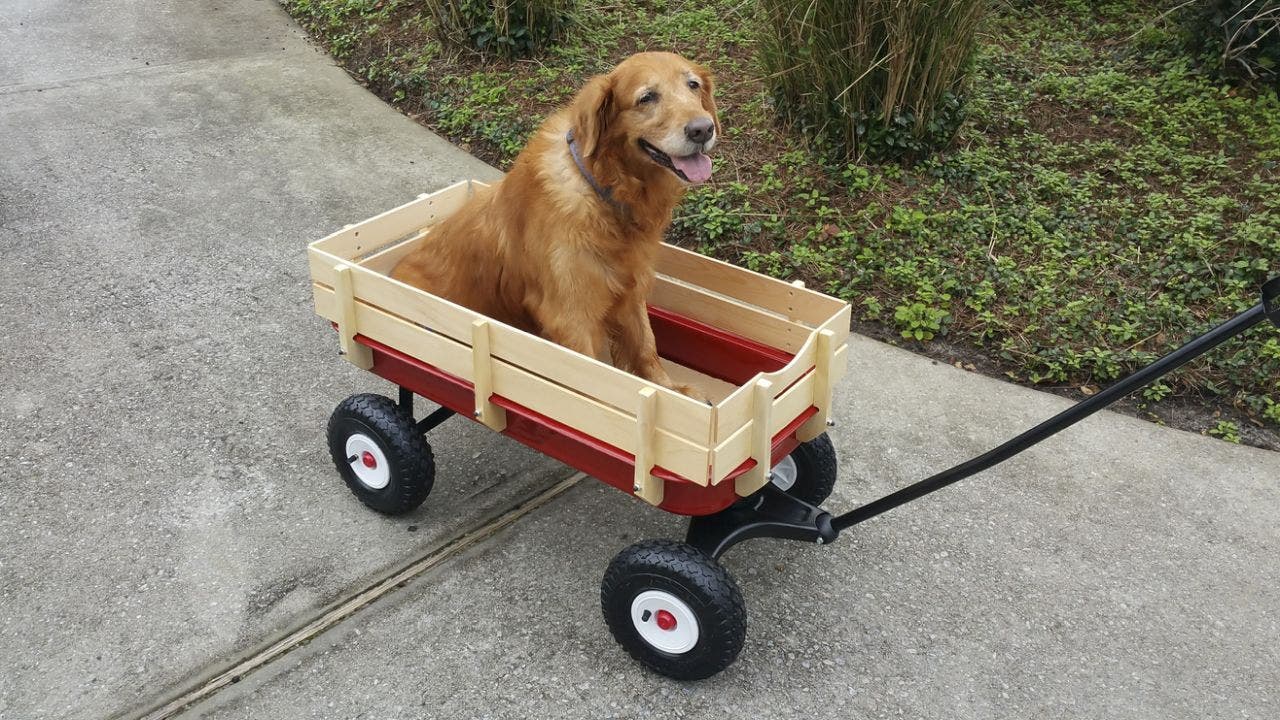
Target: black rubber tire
816 470
412 467
700 582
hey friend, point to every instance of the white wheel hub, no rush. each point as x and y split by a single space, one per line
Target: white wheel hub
783 475
368 462
665 621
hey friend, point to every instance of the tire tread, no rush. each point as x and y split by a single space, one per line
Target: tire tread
722 614
817 469
412 463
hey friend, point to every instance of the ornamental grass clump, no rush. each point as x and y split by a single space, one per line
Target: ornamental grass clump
1239 39
509 28
881 79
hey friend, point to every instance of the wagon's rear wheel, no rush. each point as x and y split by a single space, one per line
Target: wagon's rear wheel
674 609
809 472
381 455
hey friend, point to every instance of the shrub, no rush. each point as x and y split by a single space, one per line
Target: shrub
503 27
881 78
1238 38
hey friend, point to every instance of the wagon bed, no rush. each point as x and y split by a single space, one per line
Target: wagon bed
766 351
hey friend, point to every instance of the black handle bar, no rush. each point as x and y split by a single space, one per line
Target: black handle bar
1268 309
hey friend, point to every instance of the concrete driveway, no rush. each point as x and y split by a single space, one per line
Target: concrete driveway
168 503
169 510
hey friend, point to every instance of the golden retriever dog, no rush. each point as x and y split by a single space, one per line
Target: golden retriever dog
564 246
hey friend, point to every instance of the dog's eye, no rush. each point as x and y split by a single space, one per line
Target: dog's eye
694 84
648 97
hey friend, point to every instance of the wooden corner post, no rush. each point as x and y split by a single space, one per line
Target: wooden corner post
354 352
824 360
482 378
761 440
646 486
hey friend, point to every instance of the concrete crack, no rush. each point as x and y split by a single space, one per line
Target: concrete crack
348 607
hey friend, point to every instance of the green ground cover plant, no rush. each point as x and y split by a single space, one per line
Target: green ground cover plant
1104 199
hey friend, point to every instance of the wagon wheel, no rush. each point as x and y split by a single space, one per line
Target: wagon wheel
674 609
381 455
809 472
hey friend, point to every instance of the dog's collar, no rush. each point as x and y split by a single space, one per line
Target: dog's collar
605 193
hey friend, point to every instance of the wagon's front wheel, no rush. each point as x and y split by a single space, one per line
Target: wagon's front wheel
674 608
380 454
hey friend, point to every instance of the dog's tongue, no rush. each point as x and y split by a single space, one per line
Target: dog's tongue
696 167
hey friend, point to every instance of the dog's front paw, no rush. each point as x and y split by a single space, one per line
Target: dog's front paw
691 391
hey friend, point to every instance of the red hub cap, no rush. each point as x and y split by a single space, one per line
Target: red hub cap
665 620
368 459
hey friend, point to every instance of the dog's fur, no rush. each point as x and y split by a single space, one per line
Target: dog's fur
544 252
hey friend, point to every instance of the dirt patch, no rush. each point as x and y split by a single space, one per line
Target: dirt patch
1063 123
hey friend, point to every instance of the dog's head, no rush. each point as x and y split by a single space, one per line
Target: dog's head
655 112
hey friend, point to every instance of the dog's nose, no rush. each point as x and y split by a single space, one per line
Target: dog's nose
700 130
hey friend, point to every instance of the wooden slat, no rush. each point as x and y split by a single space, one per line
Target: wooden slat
730 453
841 364
348 326
733 413
365 237
646 486
385 260
812 308
494 417
789 405
838 324
608 424
799 365
761 439
730 315
824 357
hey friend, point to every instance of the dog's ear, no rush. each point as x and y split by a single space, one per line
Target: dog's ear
707 94
593 110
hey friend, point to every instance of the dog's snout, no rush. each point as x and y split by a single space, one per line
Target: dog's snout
700 130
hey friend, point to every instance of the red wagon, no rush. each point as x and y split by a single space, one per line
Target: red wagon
767 352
